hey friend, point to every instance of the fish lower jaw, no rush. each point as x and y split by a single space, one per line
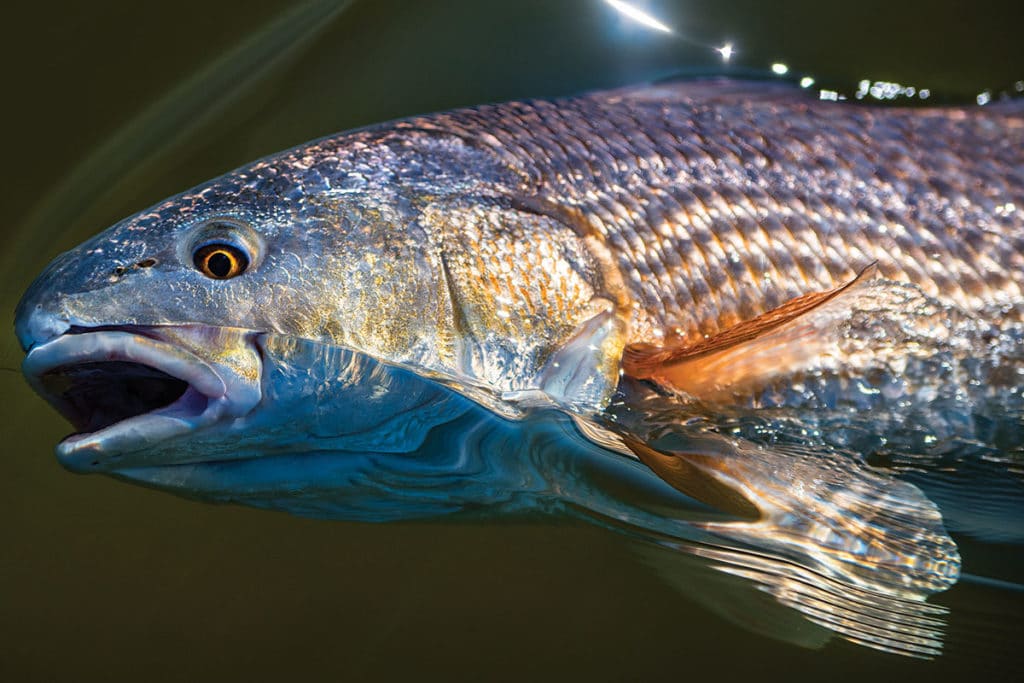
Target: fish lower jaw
130 391
89 451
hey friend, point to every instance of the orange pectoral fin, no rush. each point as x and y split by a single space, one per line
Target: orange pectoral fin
785 339
694 474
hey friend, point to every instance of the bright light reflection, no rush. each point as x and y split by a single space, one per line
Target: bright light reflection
638 15
780 68
726 51
806 82
887 90
984 97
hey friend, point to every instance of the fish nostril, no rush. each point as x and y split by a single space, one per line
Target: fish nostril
120 271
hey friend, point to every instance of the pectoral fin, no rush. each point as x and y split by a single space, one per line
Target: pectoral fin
854 550
784 340
693 473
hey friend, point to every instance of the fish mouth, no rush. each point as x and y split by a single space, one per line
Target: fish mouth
126 390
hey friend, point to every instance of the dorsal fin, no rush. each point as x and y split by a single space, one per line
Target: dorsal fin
706 89
784 339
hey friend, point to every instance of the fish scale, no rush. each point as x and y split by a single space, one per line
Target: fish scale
712 220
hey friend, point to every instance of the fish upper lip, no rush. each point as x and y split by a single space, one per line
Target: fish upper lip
210 395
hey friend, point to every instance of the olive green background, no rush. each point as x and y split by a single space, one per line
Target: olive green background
100 580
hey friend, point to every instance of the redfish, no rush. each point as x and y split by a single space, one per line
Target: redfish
696 240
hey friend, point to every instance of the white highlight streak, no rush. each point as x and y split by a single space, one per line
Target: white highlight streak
638 15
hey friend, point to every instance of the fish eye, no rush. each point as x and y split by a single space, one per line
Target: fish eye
220 261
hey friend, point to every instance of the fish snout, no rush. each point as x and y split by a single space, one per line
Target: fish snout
35 323
42 314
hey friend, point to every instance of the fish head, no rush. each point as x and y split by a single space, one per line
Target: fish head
151 336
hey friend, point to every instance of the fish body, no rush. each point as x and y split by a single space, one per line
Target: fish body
477 244
324 330
717 203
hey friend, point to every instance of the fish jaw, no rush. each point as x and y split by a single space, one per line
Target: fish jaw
133 391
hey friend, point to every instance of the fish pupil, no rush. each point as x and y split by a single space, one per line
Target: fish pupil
220 261
220 264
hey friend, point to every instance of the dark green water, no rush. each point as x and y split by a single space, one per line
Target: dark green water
100 580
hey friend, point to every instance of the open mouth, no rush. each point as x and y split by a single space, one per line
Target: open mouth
95 395
125 390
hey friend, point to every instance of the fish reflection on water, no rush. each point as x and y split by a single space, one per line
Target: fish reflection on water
636 307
